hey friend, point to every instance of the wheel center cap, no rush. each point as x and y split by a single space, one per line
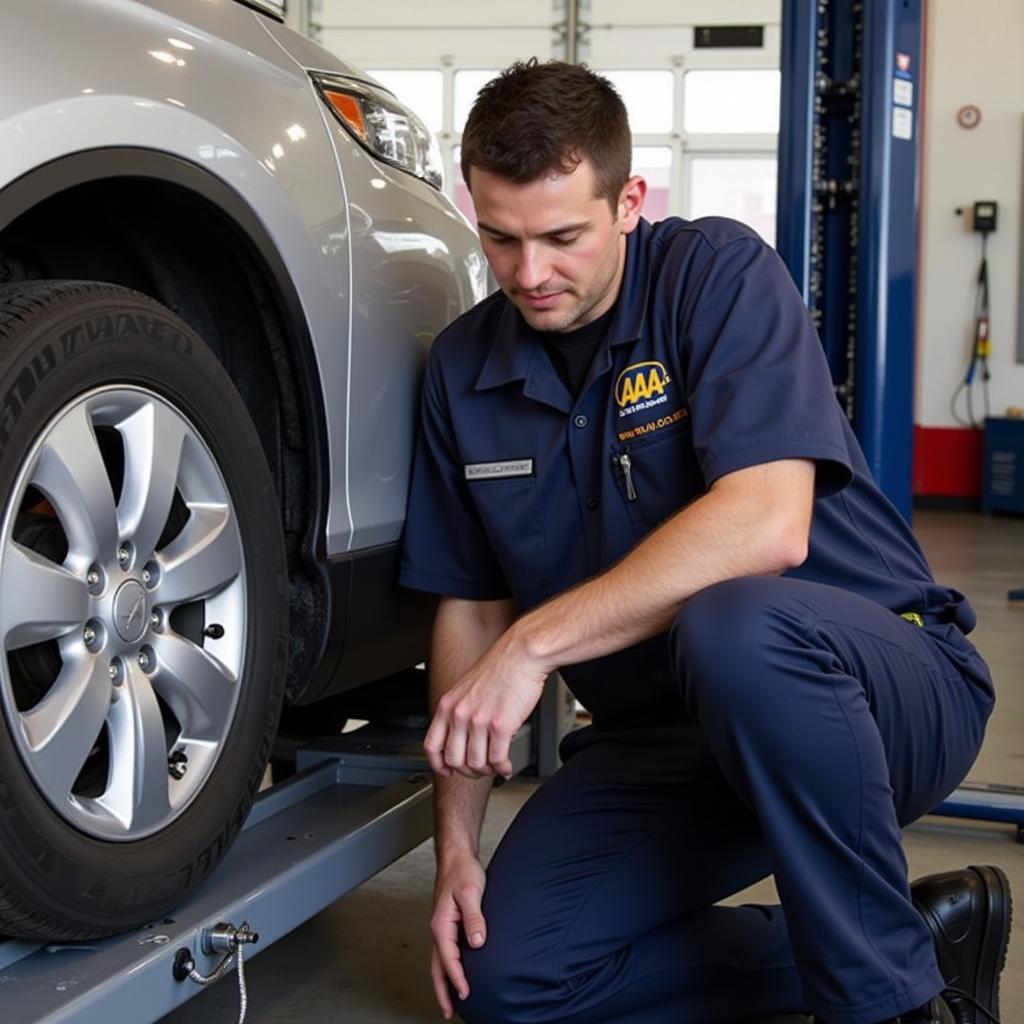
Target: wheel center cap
130 612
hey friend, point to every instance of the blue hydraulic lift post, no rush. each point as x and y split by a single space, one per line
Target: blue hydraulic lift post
847 208
891 133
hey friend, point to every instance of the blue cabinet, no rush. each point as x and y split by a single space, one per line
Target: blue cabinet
1002 482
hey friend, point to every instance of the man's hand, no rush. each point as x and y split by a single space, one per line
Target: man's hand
457 896
477 718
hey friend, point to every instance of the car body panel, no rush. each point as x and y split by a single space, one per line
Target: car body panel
172 78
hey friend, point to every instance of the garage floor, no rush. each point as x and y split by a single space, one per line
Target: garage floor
364 959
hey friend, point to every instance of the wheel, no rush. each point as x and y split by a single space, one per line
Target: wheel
143 610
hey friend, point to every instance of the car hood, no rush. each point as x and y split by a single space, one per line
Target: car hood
312 56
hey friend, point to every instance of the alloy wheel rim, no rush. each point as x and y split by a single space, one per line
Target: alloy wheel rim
122 612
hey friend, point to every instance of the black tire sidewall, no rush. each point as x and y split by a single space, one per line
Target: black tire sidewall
73 339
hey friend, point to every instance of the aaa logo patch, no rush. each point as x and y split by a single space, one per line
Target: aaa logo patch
640 382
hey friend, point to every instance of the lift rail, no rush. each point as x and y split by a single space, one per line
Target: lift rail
986 801
358 802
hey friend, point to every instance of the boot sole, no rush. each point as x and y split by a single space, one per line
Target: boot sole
997 939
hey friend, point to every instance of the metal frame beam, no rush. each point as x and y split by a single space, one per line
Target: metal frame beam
359 802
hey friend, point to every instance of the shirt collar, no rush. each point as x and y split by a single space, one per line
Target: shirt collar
513 348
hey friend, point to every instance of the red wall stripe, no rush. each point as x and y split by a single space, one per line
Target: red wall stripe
947 461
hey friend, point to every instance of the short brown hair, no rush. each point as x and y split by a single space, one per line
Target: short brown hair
535 119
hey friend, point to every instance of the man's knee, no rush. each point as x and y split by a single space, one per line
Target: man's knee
487 986
502 987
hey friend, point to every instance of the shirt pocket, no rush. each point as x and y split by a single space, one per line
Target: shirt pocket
510 512
656 476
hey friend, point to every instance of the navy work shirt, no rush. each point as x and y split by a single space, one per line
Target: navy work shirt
711 364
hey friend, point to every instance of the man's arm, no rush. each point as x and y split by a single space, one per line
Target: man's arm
752 522
463 631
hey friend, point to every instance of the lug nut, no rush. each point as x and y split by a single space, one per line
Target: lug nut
92 578
113 671
146 575
123 556
95 635
154 618
143 659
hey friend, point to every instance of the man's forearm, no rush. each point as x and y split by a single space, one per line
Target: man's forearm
459 807
462 632
753 522
727 534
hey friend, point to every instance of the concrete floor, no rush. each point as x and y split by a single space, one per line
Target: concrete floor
364 959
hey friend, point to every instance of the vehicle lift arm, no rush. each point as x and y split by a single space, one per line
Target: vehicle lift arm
359 801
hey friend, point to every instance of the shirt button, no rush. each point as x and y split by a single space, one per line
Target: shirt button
592 502
580 421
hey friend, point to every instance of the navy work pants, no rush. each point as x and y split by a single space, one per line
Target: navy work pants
816 723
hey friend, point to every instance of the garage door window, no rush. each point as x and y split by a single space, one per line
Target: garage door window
741 187
648 98
655 164
734 102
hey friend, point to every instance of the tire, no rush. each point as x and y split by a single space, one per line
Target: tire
161 633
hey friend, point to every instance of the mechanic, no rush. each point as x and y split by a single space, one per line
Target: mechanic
633 469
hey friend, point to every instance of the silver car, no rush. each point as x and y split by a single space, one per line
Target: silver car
223 256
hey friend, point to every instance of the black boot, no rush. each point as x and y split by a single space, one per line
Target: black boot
935 1011
968 913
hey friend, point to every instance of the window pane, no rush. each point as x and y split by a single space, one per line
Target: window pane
655 164
731 101
421 91
739 187
648 98
467 85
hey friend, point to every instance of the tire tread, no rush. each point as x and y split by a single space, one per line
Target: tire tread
22 304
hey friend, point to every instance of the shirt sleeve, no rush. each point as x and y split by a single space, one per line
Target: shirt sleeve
444 547
758 383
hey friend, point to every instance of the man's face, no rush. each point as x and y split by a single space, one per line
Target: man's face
556 248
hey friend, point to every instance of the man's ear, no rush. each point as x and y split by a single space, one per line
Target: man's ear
631 203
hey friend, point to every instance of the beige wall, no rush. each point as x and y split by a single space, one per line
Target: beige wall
974 55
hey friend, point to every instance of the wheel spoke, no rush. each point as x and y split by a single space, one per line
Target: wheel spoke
202 559
138 793
153 438
63 727
71 473
98 748
39 600
197 688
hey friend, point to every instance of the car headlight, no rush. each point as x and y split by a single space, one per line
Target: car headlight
388 130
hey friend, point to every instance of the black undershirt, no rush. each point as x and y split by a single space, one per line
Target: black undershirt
572 352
